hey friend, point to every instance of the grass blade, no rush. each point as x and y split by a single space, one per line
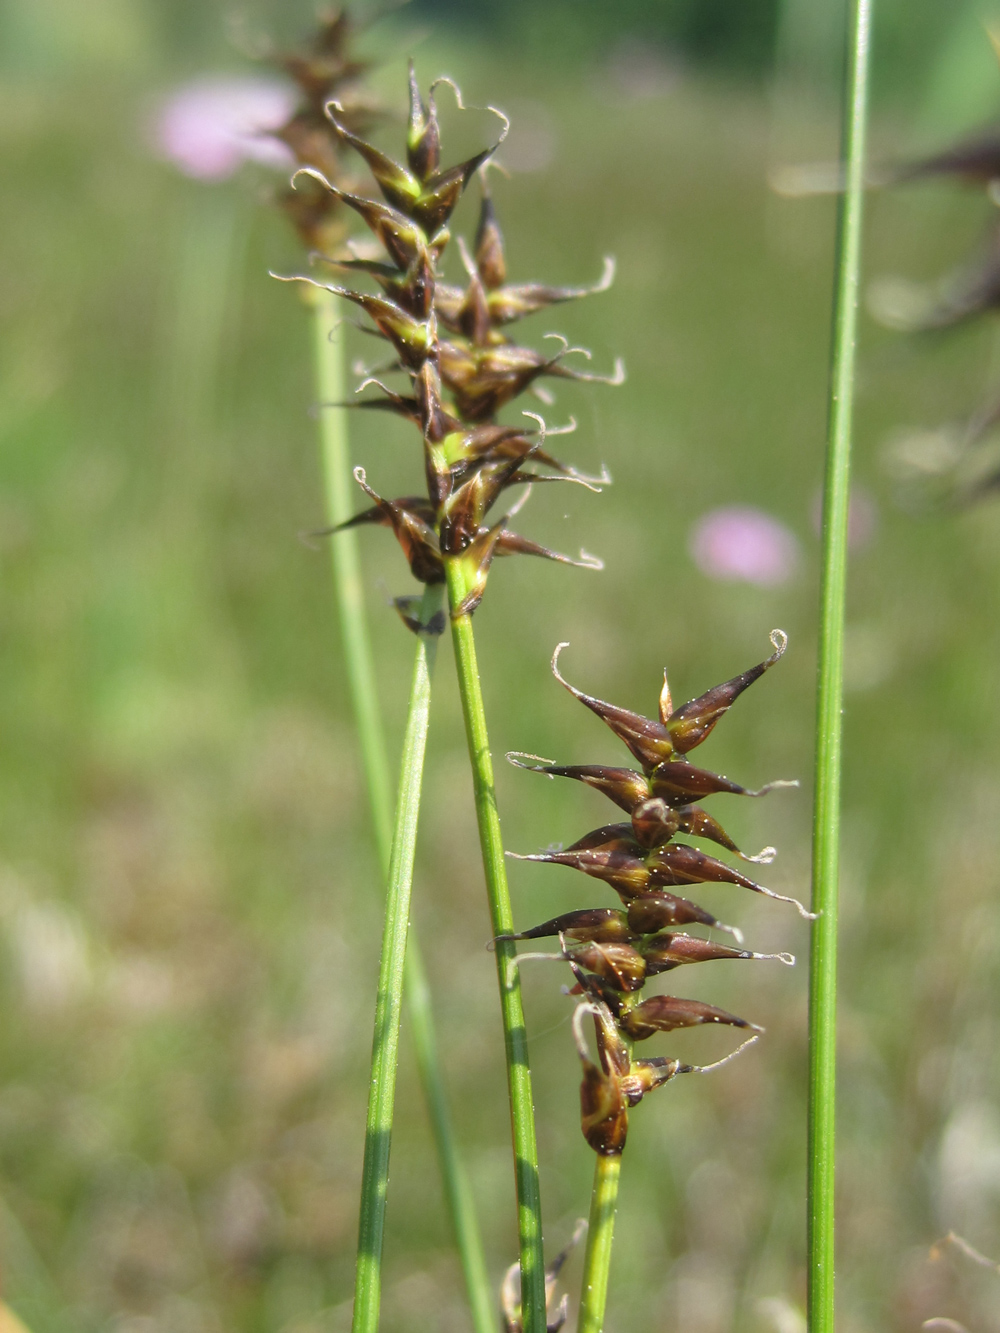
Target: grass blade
826 818
522 1114
600 1235
341 501
389 1003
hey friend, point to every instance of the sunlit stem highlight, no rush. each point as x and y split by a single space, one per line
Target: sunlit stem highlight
826 825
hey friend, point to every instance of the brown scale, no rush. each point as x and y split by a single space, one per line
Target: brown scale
623 965
616 1081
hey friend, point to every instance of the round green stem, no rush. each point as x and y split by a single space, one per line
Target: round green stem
458 1190
522 1112
339 492
389 1003
826 822
600 1235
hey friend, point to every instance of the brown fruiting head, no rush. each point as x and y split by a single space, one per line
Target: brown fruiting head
657 910
413 531
607 925
677 863
624 786
603 1106
667 1013
693 722
647 739
680 783
669 950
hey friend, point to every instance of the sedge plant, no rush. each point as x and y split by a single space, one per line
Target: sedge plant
460 369
327 69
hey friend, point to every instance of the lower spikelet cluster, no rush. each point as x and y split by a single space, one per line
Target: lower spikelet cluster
448 341
612 952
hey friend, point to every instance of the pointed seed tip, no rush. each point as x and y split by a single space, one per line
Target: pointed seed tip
515 757
315 174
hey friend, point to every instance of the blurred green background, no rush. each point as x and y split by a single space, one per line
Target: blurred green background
189 909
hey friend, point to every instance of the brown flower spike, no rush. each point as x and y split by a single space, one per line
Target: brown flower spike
613 952
449 342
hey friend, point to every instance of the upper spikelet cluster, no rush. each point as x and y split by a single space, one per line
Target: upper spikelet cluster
954 464
613 952
449 341
325 70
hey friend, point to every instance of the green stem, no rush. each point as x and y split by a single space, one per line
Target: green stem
522 1112
458 1190
826 822
389 1003
600 1235
368 718
340 494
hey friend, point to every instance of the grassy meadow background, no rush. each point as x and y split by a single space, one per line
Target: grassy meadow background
189 907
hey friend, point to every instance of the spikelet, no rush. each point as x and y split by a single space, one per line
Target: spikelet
613 952
326 69
449 342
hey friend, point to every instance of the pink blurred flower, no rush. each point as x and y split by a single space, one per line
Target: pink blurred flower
745 544
207 128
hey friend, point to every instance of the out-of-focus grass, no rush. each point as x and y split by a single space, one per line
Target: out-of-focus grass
188 902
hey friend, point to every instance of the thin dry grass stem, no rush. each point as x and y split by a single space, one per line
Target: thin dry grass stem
962 1245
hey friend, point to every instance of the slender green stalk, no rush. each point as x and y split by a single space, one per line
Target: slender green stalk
826 825
522 1111
361 681
600 1235
389 1002
458 1190
349 588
